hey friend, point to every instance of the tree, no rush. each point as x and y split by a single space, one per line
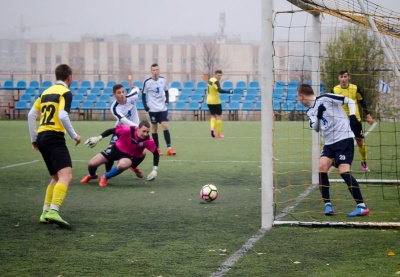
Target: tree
212 58
357 51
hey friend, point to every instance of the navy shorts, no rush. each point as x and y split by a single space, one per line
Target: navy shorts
54 151
342 152
215 109
114 154
158 117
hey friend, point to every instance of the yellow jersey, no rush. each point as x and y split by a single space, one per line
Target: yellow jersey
351 92
213 92
50 102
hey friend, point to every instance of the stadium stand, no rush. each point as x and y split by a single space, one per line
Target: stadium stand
176 84
241 84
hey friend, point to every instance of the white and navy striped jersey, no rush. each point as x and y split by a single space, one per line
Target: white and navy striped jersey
127 114
155 91
335 124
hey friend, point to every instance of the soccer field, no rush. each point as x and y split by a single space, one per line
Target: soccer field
137 228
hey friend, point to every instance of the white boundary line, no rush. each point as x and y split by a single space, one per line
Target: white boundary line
14 165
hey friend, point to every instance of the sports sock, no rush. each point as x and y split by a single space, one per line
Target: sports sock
108 166
112 173
353 187
137 161
155 138
219 126
60 190
324 186
212 123
48 197
363 152
167 138
92 171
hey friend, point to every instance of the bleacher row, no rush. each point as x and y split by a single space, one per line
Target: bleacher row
189 96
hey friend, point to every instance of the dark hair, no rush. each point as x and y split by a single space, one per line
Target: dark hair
305 89
116 87
153 65
343 71
63 71
144 123
218 71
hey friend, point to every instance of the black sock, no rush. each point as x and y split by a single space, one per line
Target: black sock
324 186
353 187
167 138
155 138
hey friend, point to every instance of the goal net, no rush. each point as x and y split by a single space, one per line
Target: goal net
312 41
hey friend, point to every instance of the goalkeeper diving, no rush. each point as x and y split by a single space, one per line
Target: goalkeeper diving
128 151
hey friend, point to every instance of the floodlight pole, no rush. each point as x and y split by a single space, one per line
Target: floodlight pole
267 84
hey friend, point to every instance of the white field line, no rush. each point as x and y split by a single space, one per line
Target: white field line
19 164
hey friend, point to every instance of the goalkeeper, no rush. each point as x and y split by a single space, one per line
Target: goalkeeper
128 151
326 114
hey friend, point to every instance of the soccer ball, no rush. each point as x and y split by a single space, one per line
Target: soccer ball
209 193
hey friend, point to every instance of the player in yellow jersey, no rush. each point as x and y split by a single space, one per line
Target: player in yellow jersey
214 103
353 92
52 108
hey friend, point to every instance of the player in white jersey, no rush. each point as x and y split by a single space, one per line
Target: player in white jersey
156 104
326 114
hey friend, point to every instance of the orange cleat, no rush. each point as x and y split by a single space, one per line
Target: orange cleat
103 181
137 171
219 136
171 152
87 178
159 152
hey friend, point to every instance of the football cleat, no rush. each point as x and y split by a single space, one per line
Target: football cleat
87 178
171 152
53 217
103 181
159 152
219 136
42 217
359 211
364 167
328 209
212 133
137 171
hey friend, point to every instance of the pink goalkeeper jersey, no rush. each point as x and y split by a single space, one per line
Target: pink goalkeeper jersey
132 146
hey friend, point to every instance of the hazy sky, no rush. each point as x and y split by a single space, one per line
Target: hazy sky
69 20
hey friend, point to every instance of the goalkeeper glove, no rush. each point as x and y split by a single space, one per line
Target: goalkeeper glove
153 174
321 110
356 126
92 141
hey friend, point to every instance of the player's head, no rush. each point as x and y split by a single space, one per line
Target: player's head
64 73
155 71
218 74
305 94
119 93
144 129
344 78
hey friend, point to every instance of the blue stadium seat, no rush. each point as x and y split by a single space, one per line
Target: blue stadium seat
74 86
8 85
250 98
176 84
75 105
34 84
293 84
201 85
111 83
197 98
287 106
108 91
194 106
280 84
308 82
98 84
138 84
126 85
21 85
276 105
199 91
277 94
105 97
204 107
78 97
227 85
100 105
254 84
91 97
26 97
87 105
300 107
234 106
258 106
183 98
247 106
224 97
22 105
140 106
189 84
180 106
291 94
30 90
86 84
81 90
186 91
236 98
46 84
241 84
95 91
252 91
238 91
